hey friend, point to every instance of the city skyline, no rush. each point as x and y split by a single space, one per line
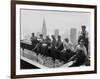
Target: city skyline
33 21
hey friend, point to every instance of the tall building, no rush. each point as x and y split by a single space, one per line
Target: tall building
56 32
44 29
73 35
37 34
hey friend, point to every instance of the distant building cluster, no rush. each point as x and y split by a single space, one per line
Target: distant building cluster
72 33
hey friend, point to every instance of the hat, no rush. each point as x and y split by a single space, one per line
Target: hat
83 26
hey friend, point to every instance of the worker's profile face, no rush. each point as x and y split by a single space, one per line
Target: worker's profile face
67 40
83 28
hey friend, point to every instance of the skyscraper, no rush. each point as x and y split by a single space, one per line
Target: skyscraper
44 29
73 35
37 34
56 32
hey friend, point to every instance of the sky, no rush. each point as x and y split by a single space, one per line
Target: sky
32 21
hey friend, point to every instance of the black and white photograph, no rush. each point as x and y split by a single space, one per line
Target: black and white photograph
53 39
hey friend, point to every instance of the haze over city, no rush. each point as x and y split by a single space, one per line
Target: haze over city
32 21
